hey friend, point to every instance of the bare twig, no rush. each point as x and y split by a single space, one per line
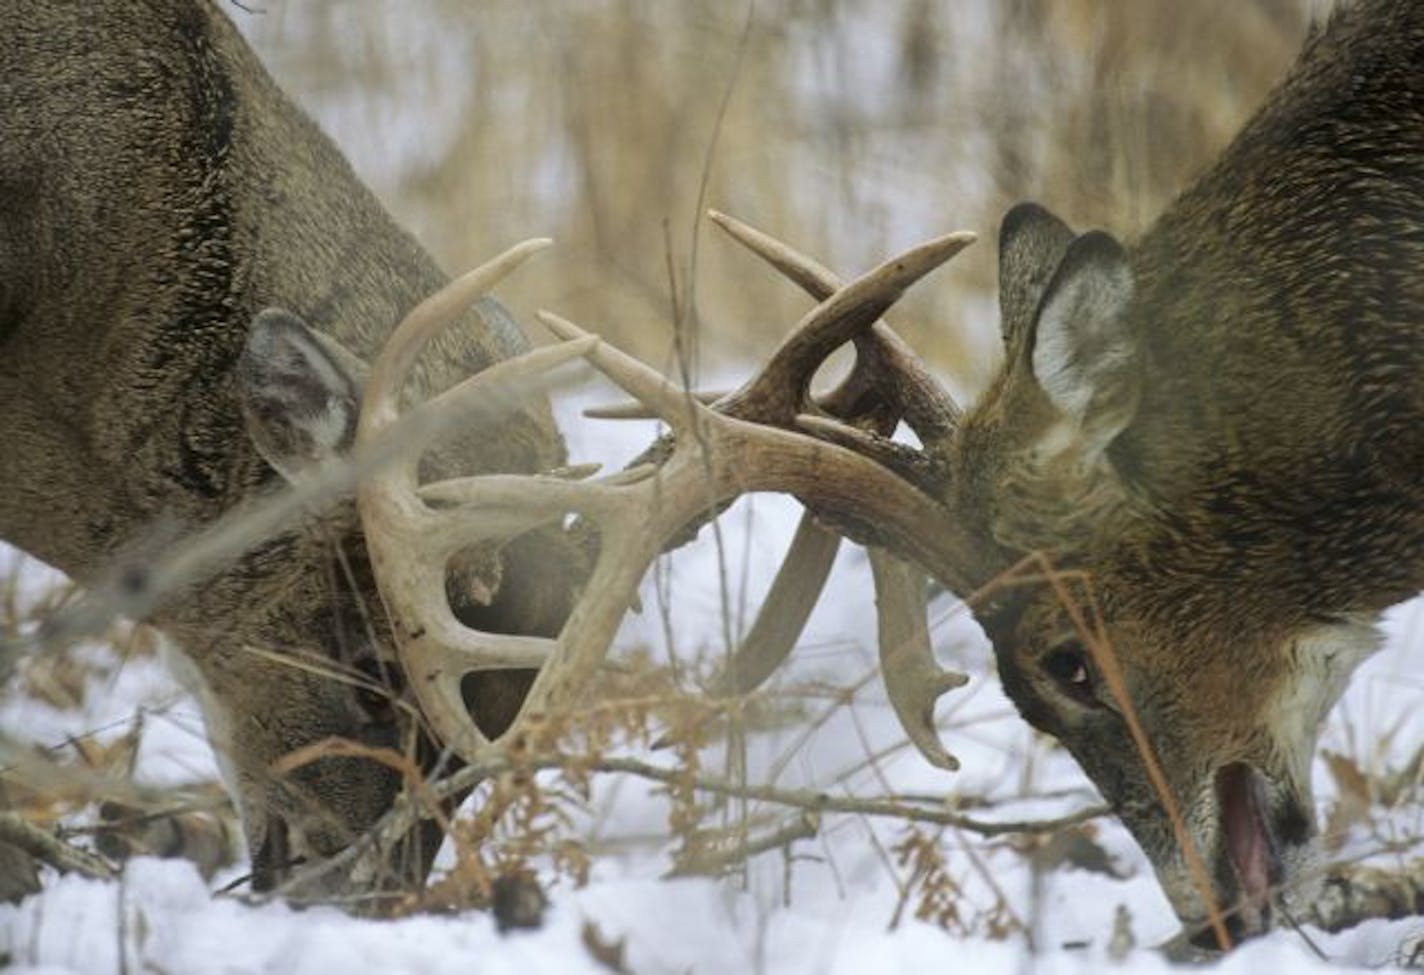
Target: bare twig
717 858
405 814
48 848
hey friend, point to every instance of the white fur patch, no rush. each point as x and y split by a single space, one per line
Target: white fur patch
328 430
1322 658
1054 353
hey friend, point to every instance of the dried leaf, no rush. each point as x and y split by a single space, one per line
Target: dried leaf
1352 803
1077 847
607 953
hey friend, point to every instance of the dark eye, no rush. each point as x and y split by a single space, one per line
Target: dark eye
1071 667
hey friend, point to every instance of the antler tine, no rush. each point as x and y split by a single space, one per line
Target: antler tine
815 278
784 612
672 403
381 404
507 384
913 680
634 410
928 408
900 458
782 387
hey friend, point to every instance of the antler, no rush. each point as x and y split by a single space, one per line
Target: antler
743 444
887 383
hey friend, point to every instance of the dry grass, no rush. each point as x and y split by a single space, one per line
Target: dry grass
846 127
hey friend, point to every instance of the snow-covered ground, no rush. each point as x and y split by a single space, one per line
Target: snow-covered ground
834 906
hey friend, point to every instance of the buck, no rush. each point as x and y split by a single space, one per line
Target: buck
158 193
192 284
1195 482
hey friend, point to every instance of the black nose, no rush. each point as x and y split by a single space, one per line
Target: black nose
1294 824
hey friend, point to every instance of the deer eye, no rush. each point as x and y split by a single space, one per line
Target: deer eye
1071 667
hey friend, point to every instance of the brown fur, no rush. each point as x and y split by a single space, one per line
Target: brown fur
1233 453
157 191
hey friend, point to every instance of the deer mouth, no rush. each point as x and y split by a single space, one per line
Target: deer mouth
1249 845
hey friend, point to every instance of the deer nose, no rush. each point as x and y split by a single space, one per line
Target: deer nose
1248 860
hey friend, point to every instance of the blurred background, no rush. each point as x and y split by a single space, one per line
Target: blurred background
849 128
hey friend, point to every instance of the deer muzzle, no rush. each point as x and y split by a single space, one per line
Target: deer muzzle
1249 843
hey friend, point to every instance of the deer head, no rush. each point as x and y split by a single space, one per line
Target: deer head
301 394
1127 620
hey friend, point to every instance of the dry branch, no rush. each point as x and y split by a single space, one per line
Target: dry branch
714 858
48 848
370 849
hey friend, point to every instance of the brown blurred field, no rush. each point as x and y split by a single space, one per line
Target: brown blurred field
849 127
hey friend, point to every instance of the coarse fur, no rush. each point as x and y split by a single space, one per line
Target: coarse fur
158 192
1220 427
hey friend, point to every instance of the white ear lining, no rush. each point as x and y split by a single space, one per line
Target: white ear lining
297 393
1079 343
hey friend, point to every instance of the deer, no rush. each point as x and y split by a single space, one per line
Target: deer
1177 512
175 234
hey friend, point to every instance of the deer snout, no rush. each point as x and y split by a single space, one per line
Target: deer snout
1264 834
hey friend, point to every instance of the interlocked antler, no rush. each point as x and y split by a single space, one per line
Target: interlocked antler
887 384
741 446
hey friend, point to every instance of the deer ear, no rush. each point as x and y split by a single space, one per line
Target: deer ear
1084 355
1032 243
299 392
